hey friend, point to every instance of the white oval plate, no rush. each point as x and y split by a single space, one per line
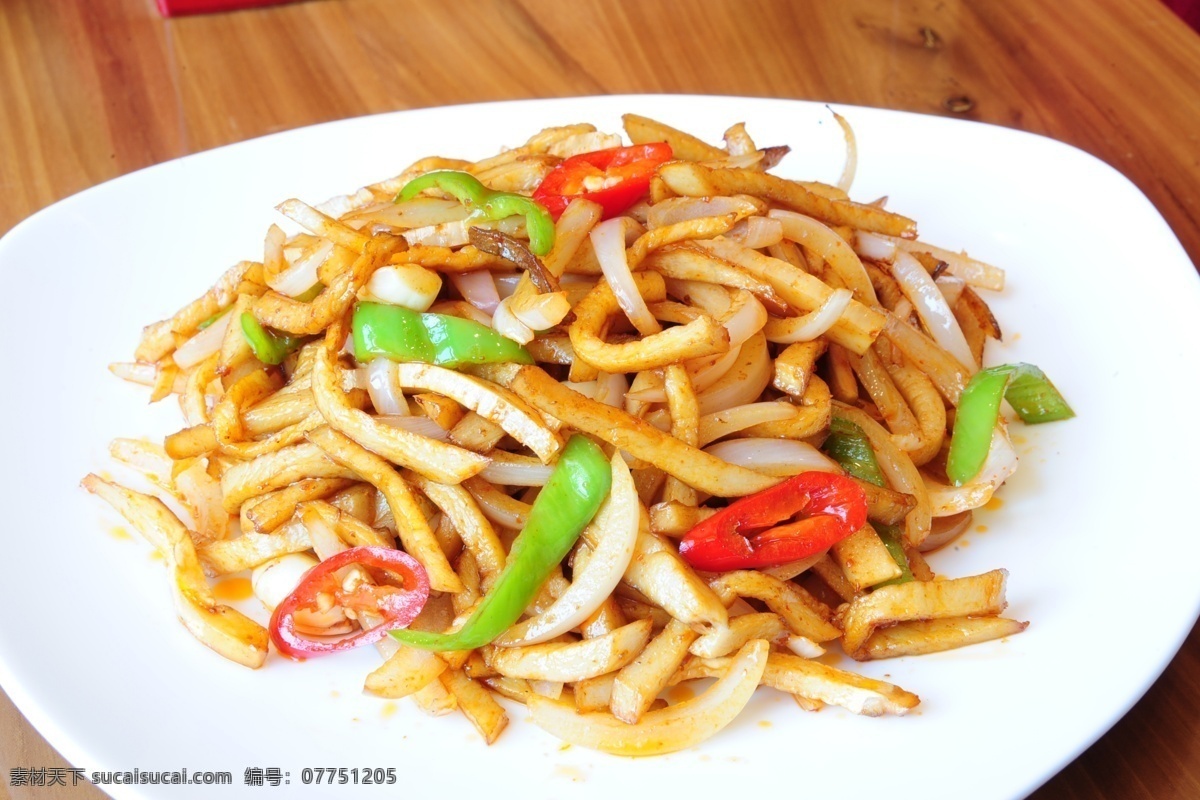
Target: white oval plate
1103 561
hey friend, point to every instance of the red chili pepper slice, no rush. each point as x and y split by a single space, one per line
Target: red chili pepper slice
615 178
398 605
747 533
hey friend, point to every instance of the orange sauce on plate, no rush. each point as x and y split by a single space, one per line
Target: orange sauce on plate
233 589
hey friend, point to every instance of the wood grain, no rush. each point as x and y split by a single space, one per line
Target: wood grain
93 90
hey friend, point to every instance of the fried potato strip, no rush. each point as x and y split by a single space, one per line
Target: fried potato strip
694 467
217 626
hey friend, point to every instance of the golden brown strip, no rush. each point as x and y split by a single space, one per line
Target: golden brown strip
694 467
275 470
695 180
643 130
275 508
412 526
701 337
858 326
433 459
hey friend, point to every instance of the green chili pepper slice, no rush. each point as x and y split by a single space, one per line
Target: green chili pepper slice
311 293
538 224
893 539
848 445
401 334
208 322
466 189
1028 391
269 347
571 497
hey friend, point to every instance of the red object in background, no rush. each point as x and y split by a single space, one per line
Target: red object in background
1188 11
179 8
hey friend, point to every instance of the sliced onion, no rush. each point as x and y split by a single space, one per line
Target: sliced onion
273 580
506 323
746 317
876 248
463 310
302 275
548 689
709 370
813 324
517 420
355 379
897 467
509 470
851 166
1001 461
611 389
203 344
540 312
383 388
951 288
946 501
608 242
756 232
661 419
421 425
680 209
505 511
408 285
738 141
326 543
805 647
420 212
570 232
586 388
708 297
703 372
457 233
647 384
607 389
477 288
744 382
960 265
666 730
585 142
946 530
275 257
614 531
342 204
943 369
931 307
825 242
506 283
577 287
722 423
348 348
135 372
639 211
634 230
778 457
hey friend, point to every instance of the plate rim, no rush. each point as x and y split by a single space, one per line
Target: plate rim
75 752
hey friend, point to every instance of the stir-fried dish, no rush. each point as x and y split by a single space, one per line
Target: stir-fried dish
583 421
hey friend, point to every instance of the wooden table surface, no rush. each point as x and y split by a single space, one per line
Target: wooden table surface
92 90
